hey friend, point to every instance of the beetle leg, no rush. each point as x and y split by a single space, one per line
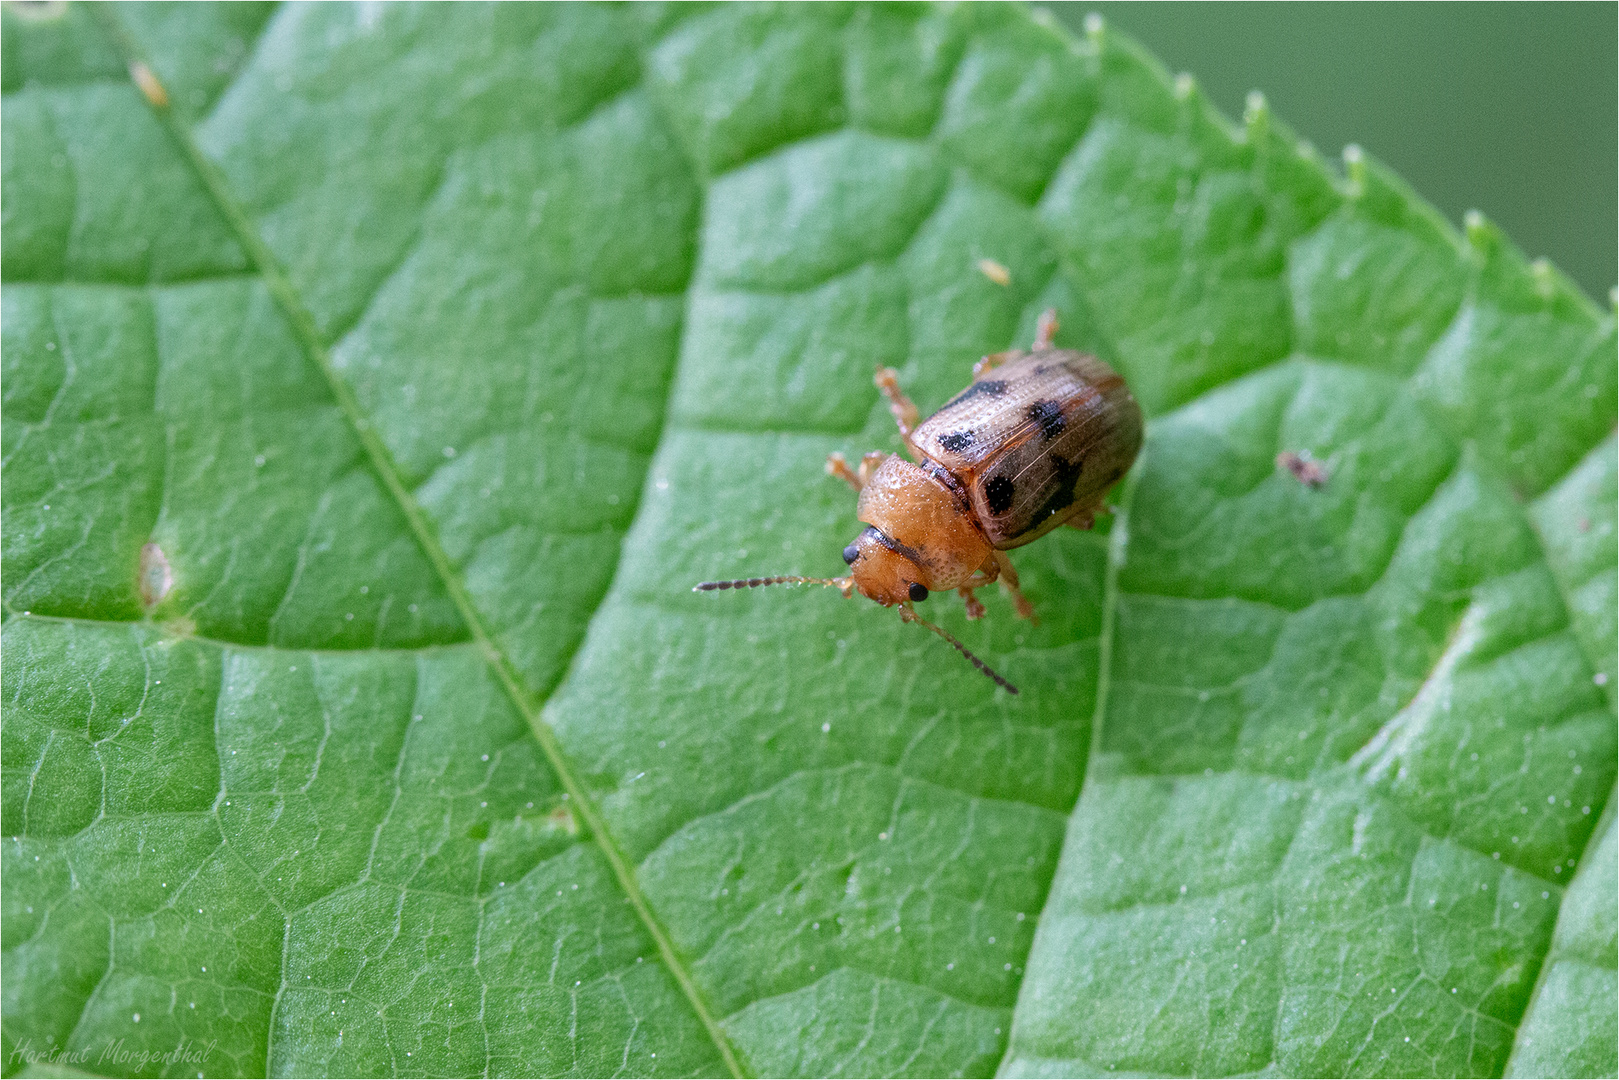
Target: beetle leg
992 361
1009 582
903 408
868 464
837 465
975 606
984 575
1083 519
1045 330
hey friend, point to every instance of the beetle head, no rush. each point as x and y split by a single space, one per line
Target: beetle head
883 570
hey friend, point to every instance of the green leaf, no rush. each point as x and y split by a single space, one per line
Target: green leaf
371 406
1565 1032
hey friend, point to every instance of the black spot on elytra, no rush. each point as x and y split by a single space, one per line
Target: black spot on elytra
999 492
1048 414
1062 491
988 387
956 441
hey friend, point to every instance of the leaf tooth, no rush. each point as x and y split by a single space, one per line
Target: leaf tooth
1355 170
1544 276
1256 115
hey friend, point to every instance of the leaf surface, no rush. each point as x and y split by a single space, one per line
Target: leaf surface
371 406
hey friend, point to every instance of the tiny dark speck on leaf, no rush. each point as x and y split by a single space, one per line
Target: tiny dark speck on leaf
1307 472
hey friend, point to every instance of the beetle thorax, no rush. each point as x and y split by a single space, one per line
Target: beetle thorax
922 532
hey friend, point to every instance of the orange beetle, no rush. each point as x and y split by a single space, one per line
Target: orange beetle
1034 442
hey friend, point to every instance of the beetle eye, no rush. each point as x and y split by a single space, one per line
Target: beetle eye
919 592
850 554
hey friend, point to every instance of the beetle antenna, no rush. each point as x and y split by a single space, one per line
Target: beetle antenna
908 615
1045 329
786 579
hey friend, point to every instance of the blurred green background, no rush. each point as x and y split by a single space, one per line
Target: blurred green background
1507 108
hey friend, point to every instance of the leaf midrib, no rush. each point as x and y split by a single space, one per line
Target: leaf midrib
381 460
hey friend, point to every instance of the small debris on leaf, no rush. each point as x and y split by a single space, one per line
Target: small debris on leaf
1307 472
562 818
995 271
148 84
156 579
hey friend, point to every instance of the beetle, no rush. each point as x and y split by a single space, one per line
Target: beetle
1034 442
